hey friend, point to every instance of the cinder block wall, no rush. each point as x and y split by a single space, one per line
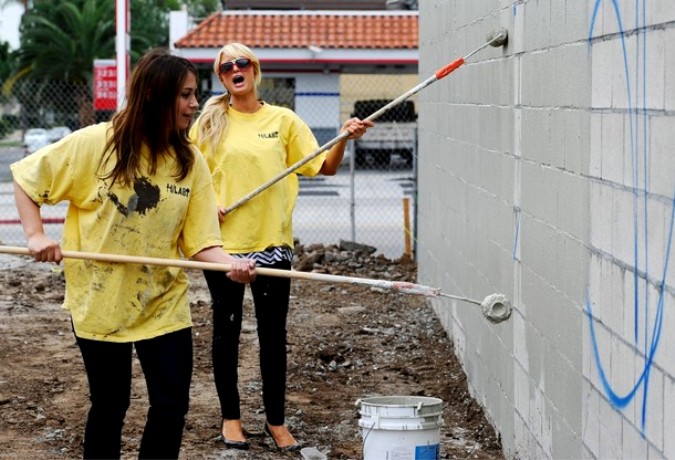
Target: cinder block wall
547 173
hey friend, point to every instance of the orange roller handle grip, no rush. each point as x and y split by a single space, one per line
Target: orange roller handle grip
449 68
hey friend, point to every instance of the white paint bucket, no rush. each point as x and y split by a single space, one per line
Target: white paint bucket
401 427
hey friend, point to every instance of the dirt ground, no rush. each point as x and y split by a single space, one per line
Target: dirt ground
346 342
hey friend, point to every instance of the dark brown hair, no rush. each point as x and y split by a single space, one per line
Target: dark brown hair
149 118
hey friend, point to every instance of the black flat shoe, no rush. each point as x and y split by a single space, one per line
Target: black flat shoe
232 444
289 448
239 445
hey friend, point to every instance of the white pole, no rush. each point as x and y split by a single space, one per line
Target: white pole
122 48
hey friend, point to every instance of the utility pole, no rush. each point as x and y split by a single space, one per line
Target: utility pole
122 45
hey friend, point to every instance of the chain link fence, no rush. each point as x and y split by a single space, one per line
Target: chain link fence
370 201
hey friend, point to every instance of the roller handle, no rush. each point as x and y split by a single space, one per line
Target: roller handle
454 65
399 286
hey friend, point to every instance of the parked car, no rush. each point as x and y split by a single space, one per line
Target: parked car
394 133
34 139
58 132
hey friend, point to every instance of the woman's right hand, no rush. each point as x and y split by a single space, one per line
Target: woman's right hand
221 214
44 249
243 271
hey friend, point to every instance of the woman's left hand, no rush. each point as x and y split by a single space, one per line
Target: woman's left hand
242 270
356 127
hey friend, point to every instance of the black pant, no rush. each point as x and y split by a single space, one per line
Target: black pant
167 364
271 298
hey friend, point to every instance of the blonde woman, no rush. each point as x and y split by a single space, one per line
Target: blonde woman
247 142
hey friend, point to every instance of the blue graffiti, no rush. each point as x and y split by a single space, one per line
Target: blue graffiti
650 345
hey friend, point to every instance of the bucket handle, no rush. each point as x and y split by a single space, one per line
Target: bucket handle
368 433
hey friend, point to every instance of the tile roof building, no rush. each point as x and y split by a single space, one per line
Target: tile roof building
301 39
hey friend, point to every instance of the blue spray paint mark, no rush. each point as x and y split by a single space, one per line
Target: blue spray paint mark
650 346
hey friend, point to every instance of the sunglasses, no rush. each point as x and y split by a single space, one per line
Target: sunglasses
227 67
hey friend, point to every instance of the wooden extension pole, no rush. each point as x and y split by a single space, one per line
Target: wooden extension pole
404 287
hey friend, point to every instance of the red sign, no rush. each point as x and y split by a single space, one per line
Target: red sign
105 84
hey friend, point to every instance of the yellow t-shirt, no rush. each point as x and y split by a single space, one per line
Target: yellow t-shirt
159 217
256 148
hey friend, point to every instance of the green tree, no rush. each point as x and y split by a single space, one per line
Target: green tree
149 24
6 61
59 42
202 8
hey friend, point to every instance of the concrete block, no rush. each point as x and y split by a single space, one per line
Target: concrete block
595 15
655 454
586 454
623 230
622 375
572 198
629 308
669 65
520 435
661 164
536 415
537 25
565 442
517 33
654 426
612 302
574 272
595 141
588 363
570 76
558 25
601 216
658 232
651 65
577 22
669 415
604 62
535 143
533 71
665 353
537 196
633 444
660 13
623 79
607 312
610 427
577 142
520 345
564 378
522 391
613 148
602 347
590 421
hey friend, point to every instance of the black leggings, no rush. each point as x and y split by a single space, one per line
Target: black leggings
271 299
167 364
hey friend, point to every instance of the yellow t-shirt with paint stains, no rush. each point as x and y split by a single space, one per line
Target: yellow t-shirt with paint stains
159 217
256 148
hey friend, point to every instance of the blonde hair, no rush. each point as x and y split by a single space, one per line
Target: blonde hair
212 122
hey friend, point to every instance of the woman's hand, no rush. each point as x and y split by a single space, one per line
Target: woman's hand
44 249
356 127
243 270
221 214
